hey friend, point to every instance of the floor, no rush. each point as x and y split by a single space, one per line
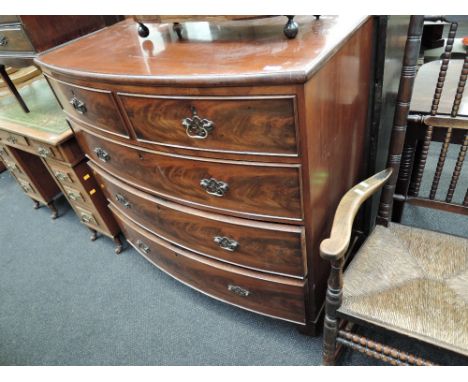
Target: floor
65 300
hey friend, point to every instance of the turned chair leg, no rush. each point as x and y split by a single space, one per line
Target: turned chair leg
118 245
332 303
54 210
94 234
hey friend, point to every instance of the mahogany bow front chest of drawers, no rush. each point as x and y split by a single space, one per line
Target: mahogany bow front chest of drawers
224 155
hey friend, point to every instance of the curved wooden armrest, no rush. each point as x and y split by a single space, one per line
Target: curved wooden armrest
335 247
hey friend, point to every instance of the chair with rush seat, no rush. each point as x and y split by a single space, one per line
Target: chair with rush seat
405 280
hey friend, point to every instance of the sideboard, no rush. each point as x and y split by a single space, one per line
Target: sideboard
223 156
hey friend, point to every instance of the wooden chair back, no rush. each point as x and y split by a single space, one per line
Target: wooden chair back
414 129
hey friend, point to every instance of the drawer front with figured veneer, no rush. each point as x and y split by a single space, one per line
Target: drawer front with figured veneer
248 189
274 248
92 106
245 125
275 296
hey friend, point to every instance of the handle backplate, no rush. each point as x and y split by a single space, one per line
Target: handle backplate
226 243
143 247
214 187
196 127
239 290
102 154
78 105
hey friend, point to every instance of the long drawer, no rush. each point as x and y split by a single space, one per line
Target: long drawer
247 189
268 247
275 296
251 124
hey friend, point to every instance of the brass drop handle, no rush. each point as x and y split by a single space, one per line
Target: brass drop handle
61 176
25 186
123 200
102 154
73 196
3 40
214 187
10 165
44 152
143 247
78 105
86 218
226 243
196 127
238 290
12 139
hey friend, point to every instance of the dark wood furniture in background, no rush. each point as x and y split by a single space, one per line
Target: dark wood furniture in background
23 37
42 154
222 157
403 279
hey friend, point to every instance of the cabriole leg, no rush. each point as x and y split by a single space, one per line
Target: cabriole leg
93 234
118 245
54 210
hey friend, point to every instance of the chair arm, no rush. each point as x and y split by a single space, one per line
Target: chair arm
337 244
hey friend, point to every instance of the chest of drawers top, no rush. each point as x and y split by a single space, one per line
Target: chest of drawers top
229 53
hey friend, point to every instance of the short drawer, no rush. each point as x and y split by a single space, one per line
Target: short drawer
14 39
46 151
63 174
248 189
86 216
274 248
13 139
275 296
92 106
3 152
244 125
27 186
12 166
75 195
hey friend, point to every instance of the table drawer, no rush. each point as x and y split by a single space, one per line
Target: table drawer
86 216
248 189
275 296
26 185
245 125
92 106
63 174
12 166
75 195
46 151
268 247
13 139
14 39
